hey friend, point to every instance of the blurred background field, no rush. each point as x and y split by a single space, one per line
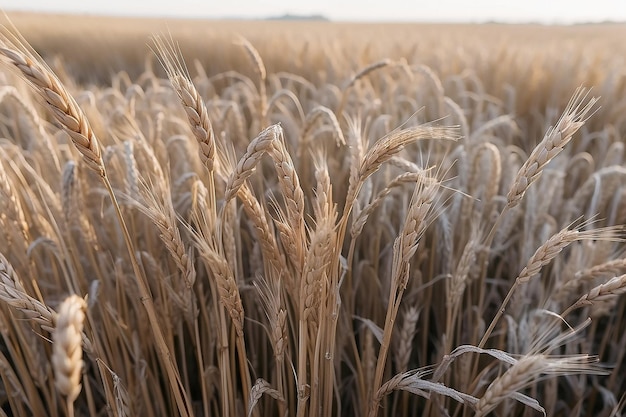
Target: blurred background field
542 64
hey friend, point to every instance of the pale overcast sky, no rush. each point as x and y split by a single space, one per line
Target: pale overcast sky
545 11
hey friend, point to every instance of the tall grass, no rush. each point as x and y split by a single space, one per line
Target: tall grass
384 241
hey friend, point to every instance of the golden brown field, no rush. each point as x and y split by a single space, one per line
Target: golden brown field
214 218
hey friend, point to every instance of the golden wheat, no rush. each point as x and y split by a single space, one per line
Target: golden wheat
323 222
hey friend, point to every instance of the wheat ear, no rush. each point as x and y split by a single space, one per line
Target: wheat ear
614 287
613 267
294 200
67 354
261 73
405 338
62 106
543 256
551 145
190 98
245 167
364 72
525 372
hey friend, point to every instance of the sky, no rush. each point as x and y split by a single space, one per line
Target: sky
519 11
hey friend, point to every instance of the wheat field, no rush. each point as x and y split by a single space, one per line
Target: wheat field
222 218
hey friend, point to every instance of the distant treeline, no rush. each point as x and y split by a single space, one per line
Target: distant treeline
312 17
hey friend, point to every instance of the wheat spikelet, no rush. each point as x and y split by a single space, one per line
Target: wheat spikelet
458 282
245 167
355 141
292 193
132 174
265 235
69 184
515 378
13 293
364 72
407 178
255 57
67 352
260 388
556 243
545 254
60 103
225 282
71 202
489 171
311 119
229 236
607 291
418 217
405 338
314 269
588 275
261 73
313 286
122 399
414 382
524 373
551 145
190 98
390 145
158 207
270 293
